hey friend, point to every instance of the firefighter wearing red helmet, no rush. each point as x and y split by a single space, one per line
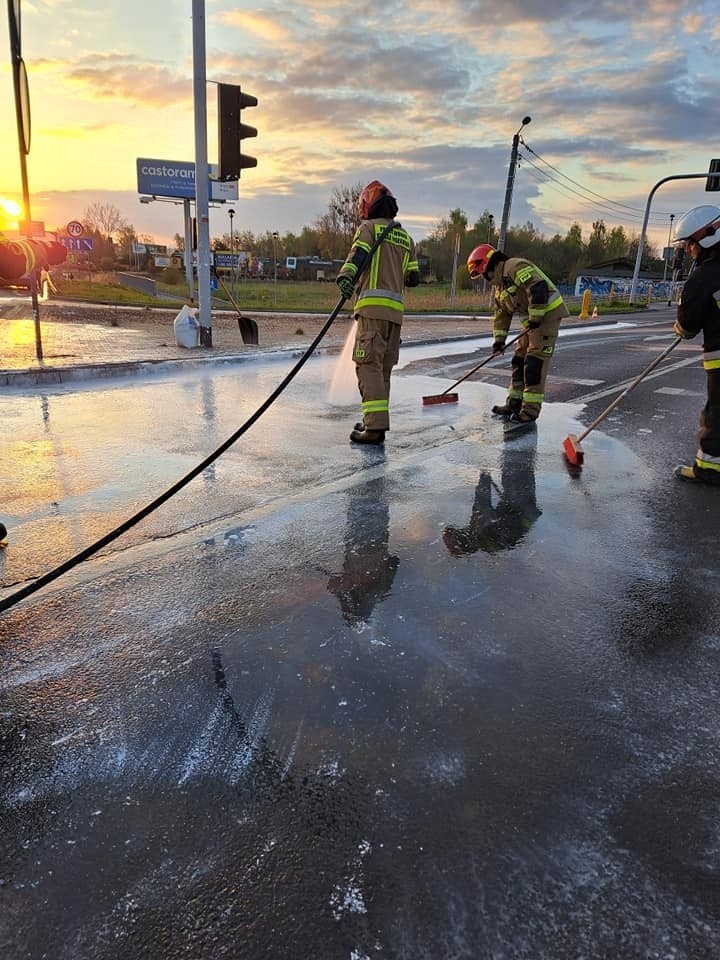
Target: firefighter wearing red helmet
698 231
379 304
521 287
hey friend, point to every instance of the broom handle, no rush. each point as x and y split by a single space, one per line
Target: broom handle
482 364
630 387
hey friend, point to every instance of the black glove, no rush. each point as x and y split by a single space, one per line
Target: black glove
533 324
498 346
347 287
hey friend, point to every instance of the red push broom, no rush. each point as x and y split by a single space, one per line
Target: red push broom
571 444
446 396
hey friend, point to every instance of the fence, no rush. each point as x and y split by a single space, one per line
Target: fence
618 288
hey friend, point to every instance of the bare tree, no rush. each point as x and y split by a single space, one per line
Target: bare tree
104 218
337 226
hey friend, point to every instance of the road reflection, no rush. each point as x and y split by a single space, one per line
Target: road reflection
368 568
501 521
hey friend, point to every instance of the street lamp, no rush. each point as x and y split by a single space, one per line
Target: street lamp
510 182
231 214
488 239
667 252
275 237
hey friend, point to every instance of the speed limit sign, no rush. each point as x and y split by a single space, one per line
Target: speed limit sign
75 229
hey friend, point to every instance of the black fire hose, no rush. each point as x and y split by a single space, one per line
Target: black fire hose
88 552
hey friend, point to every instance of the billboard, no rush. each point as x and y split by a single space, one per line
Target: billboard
176 179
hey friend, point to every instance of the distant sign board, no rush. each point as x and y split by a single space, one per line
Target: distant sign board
75 229
229 261
170 178
83 244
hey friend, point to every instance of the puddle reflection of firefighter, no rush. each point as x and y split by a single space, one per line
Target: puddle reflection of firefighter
368 568
503 524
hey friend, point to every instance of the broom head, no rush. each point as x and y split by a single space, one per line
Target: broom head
440 398
573 451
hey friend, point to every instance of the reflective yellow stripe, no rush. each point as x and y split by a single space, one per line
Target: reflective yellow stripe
499 335
361 245
554 303
515 394
533 397
711 364
706 464
379 302
375 406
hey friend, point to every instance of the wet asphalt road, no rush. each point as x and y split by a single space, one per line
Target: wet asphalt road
445 700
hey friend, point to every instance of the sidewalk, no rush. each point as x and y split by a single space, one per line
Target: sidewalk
85 341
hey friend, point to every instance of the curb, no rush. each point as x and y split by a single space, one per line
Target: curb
58 376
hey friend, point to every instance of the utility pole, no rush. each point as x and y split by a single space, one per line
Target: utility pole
202 180
510 183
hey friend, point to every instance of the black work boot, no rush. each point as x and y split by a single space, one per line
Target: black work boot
507 409
375 437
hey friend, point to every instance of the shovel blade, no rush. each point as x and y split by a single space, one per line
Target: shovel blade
248 330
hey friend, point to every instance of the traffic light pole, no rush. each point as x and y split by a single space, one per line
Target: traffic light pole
641 243
22 113
202 181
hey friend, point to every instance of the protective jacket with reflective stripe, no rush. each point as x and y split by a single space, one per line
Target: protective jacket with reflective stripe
514 280
380 289
699 307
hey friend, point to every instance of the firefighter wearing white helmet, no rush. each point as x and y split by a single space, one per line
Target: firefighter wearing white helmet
699 311
379 304
521 287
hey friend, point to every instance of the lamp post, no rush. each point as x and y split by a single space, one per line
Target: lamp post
667 256
231 214
488 239
275 237
510 183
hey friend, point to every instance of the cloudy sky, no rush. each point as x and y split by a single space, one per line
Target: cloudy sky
425 96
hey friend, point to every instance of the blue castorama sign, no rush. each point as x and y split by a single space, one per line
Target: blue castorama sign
164 178
170 178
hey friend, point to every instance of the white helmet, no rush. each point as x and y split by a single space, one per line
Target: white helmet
701 224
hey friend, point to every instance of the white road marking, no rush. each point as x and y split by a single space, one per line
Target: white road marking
679 392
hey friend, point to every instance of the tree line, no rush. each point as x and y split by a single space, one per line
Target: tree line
330 236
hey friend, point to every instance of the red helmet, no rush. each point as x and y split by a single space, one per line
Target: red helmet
479 260
369 196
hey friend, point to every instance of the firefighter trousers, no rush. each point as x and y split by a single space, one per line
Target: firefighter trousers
530 364
376 351
707 459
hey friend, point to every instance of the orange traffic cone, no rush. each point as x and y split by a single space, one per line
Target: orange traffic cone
594 314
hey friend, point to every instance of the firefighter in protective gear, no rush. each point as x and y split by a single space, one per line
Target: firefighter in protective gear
699 310
521 287
378 306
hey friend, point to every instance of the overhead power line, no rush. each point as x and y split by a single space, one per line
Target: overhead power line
618 207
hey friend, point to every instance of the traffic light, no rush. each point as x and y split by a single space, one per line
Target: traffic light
231 132
713 181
